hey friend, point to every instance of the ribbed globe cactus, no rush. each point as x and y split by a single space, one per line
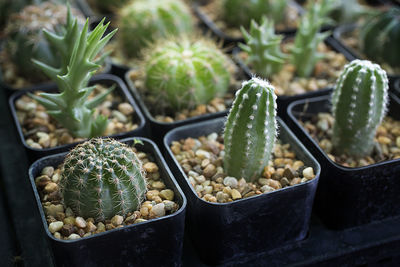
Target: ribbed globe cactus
250 130
183 72
359 104
102 178
143 21
380 38
263 47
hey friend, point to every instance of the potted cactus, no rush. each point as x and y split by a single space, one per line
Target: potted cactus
357 145
224 20
242 182
71 112
183 79
113 199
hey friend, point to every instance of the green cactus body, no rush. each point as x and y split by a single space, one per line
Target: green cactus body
380 38
182 73
359 104
102 178
252 9
263 47
250 130
144 21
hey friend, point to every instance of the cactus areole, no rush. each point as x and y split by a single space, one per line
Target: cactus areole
102 178
250 130
359 103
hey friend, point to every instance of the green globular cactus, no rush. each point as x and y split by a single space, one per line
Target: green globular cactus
359 104
380 38
102 178
240 13
304 54
71 107
143 21
183 72
250 130
26 38
263 47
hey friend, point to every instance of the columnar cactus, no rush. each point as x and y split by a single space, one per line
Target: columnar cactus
102 178
182 73
70 107
263 47
380 38
304 52
250 130
252 9
144 21
359 104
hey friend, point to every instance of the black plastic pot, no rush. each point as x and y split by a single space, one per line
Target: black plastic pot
283 101
348 28
396 88
106 79
222 232
348 197
156 242
226 38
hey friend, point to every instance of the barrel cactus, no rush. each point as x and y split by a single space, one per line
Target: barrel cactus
250 130
359 104
102 178
143 21
184 72
380 38
263 47
252 9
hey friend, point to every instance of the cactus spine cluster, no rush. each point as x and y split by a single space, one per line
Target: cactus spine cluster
252 9
359 104
250 130
143 21
71 107
263 46
102 178
183 72
380 38
304 52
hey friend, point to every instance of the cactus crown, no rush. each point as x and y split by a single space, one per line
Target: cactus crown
70 107
359 103
250 130
102 178
304 52
254 9
263 46
144 21
184 72
380 38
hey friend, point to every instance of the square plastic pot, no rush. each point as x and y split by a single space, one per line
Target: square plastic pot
223 232
283 100
396 87
106 79
348 197
157 242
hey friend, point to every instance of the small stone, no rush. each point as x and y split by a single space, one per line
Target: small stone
42 181
56 177
295 181
209 171
52 209
67 229
158 185
57 235
384 140
55 226
69 220
66 139
151 194
288 173
284 182
69 212
157 211
101 227
222 197
297 164
202 154
150 167
200 179
130 219
80 222
90 227
398 141
44 139
50 187
232 182
266 189
235 194
49 170
263 181
323 125
117 220
308 173
167 194
119 116
140 220
74 236
125 108
274 184
212 137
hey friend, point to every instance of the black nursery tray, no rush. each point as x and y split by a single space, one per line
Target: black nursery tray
375 244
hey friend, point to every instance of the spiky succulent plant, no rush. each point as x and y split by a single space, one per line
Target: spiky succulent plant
304 54
71 107
263 47
102 178
26 38
240 13
250 130
380 38
143 21
359 104
184 72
